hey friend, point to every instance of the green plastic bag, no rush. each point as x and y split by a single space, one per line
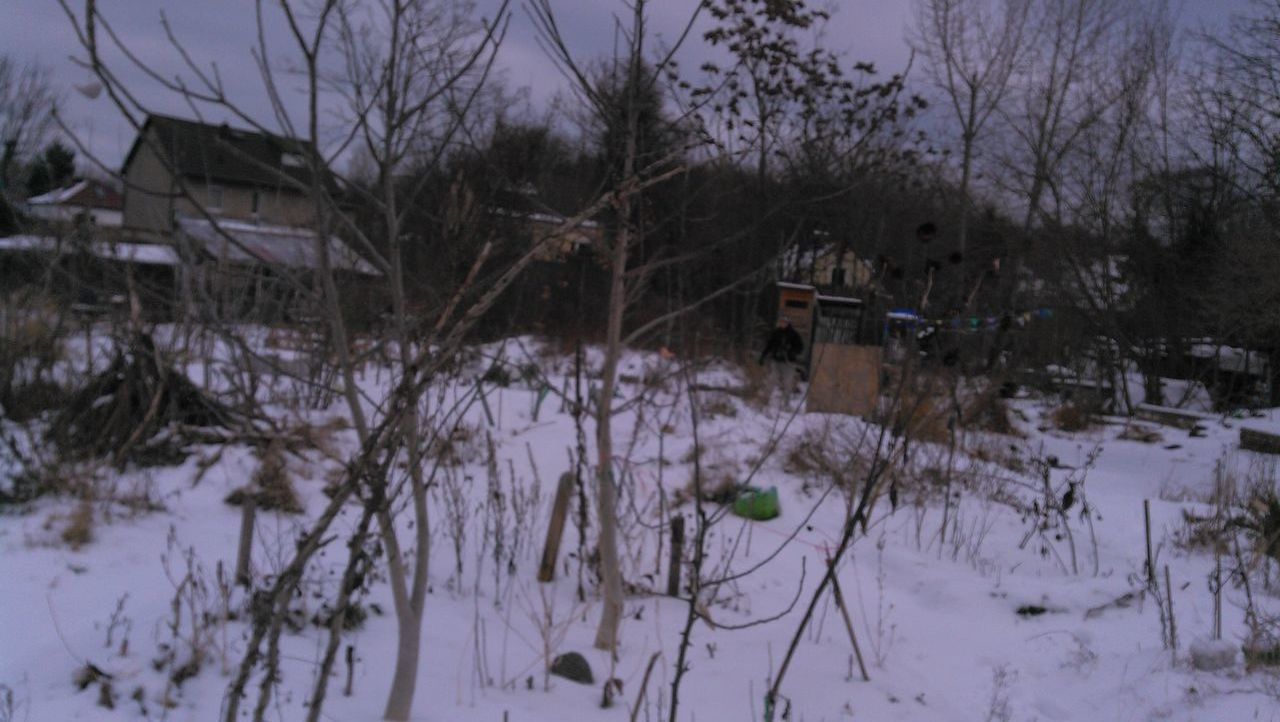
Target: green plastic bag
757 504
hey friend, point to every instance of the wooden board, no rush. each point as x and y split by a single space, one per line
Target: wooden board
844 379
1177 418
1259 441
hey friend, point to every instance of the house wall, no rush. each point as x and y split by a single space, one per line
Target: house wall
581 239
855 274
276 207
150 202
148 187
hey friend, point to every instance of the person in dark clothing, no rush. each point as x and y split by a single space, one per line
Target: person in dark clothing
782 349
784 344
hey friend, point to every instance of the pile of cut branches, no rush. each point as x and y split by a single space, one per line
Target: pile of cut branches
140 410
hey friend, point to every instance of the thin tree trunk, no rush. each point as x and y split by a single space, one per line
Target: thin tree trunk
606 497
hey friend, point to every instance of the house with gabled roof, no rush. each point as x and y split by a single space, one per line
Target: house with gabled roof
222 194
178 168
86 199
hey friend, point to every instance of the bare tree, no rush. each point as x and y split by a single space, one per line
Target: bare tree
633 80
28 101
971 49
1063 87
405 73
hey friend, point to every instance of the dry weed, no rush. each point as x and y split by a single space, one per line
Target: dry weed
79 528
1071 417
271 487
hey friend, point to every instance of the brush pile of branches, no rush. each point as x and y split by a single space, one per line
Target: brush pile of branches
140 410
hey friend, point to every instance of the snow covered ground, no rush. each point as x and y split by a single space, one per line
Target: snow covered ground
938 622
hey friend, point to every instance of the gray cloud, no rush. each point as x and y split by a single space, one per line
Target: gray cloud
223 32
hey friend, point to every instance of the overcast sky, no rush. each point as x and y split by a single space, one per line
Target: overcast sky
222 31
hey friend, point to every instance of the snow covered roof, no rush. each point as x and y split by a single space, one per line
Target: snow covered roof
847 300
247 243
147 254
84 193
551 219
1230 358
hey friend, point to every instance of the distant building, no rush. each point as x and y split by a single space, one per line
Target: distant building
212 219
178 168
566 243
89 200
183 177
826 266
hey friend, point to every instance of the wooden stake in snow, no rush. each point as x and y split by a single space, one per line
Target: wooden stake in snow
1217 595
1151 567
245 552
484 403
677 547
1173 628
848 624
351 668
559 512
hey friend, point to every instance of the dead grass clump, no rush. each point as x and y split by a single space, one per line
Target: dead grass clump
463 445
921 417
29 331
23 402
1136 432
1261 522
988 411
717 488
1001 454
757 384
713 405
79 528
28 344
721 477
271 487
806 456
1071 417
320 436
1201 533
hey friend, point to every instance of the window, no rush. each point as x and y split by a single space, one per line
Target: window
257 203
792 303
292 160
215 198
837 276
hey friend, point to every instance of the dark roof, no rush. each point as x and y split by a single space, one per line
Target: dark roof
222 153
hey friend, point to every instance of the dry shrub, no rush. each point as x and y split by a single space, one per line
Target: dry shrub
22 402
271 486
999 453
757 384
807 455
918 407
921 416
830 455
319 436
79 528
713 405
28 330
463 445
28 342
1071 417
721 477
131 411
717 488
1201 533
